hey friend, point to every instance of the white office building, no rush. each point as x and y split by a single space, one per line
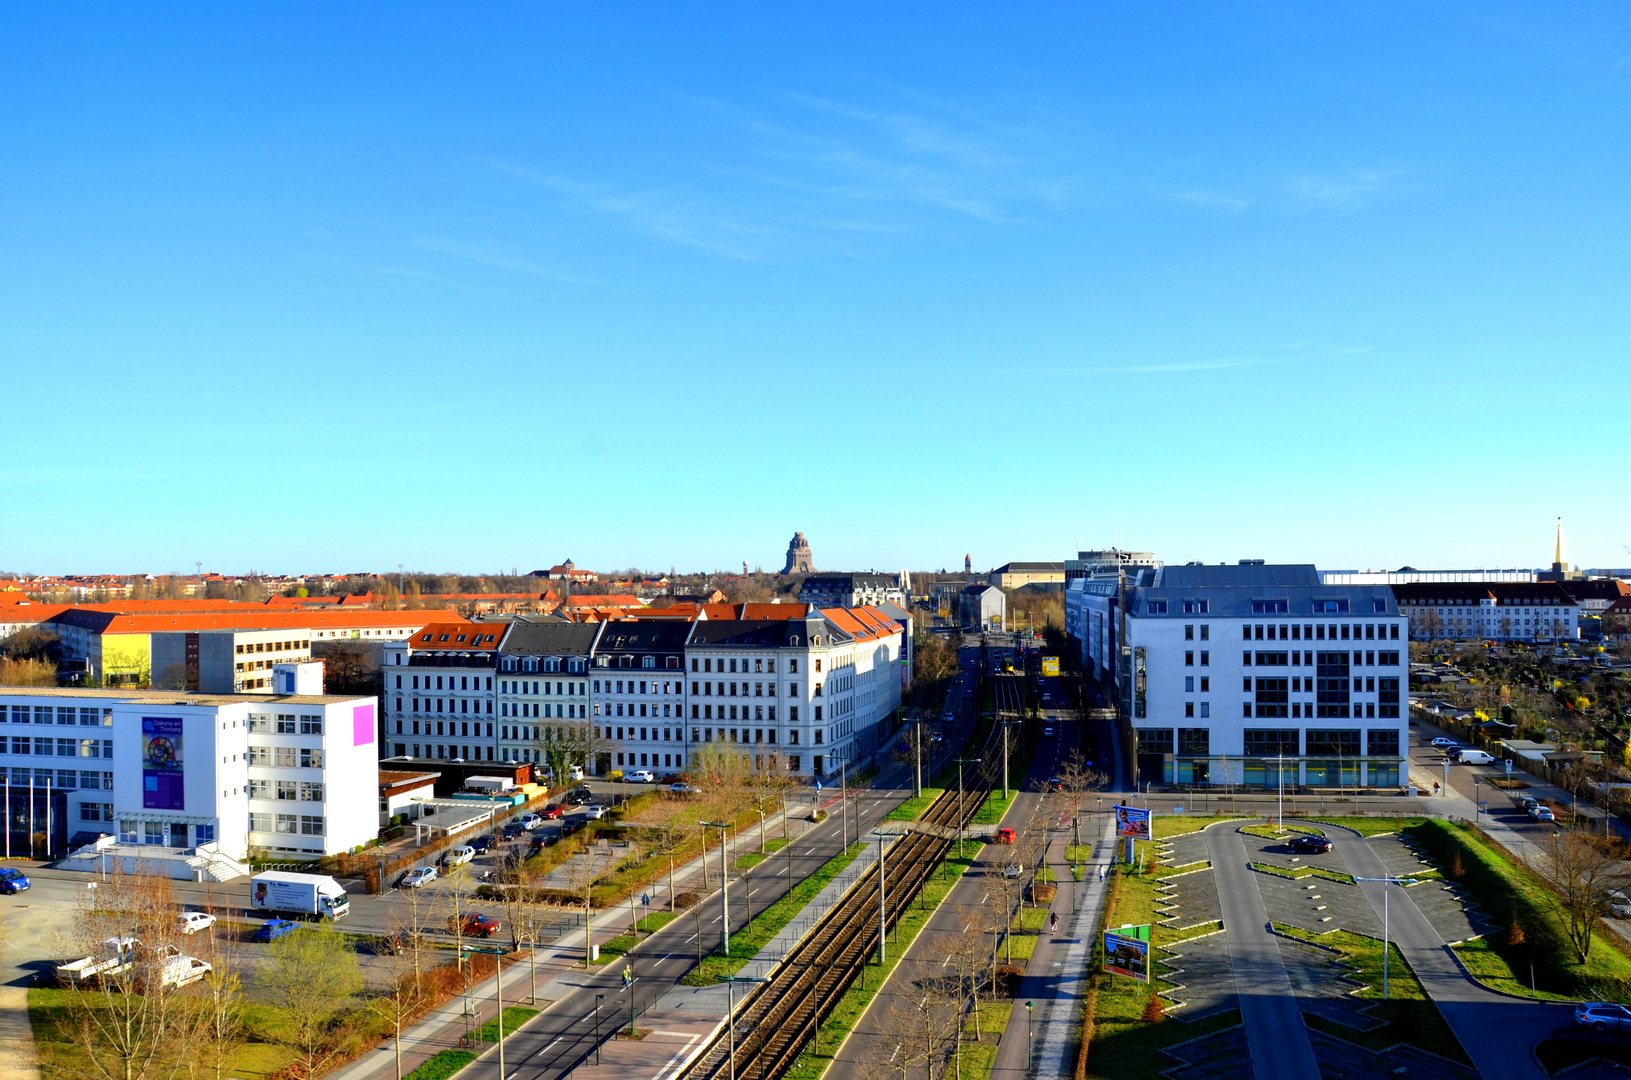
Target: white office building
284 775
1231 674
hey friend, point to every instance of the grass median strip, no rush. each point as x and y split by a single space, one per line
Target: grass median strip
1297 873
746 943
514 1017
443 1065
913 808
853 1005
622 943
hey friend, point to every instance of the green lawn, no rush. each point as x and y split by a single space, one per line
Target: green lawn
514 1017
746 943
1274 834
913 808
978 1057
622 943
1297 873
993 808
1372 826
1410 1016
1166 826
850 1008
442 1066
1510 893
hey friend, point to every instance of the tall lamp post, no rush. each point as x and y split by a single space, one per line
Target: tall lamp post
497 953
1386 881
724 880
881 837
730 1010
962 828
1030 1038
598 999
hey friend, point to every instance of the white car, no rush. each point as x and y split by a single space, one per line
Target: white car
1468 756
532 821
418 877
459 856
191 922
1444 742
640 776
1619 905
595 811
1603 1016
1012 871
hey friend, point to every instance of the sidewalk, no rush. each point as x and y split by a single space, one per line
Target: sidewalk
1056 977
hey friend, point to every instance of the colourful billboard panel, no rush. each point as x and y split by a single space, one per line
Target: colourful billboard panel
1127 955
1050 666
1133 822
163 781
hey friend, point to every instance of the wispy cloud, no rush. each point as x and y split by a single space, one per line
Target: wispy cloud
1345 189
803 170
1211 200
499 260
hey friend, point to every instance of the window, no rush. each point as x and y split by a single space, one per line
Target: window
1272 698
1269 742
1194 740
1189 708
260 789
1196 607
260 755
311 725
285 725
289 824
1387 697
1206 684
1155 607
1270 607
1331 607
1382 742
1387 659
284 757
1154 740
1206 658
1332 685
288 790
1333 742
311 826
260 822
1189 631
311 792
1273 659
1189 684
1189 659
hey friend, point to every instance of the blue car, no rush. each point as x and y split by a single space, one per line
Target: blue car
12 881
272 929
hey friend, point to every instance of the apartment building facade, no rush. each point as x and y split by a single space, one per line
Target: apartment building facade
637 694
1535 611
543 684
440 692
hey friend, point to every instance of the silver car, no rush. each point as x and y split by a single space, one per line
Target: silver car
1603 1016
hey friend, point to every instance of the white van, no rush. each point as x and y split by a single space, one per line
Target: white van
1469 756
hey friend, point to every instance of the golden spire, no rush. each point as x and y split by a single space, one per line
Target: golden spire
1558 561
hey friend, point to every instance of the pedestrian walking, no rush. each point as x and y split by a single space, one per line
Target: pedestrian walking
1101 871
1053 922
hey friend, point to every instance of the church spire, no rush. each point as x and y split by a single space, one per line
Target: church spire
1557 563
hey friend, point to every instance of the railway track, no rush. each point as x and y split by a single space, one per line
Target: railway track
776 1020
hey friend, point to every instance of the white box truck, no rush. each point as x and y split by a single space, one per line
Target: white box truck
287 893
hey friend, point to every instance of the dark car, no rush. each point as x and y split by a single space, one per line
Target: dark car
398 942
1312 845
571 825
1055 784
482 844
12 880
272 929
512 829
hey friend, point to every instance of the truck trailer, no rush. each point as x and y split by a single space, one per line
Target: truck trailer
312 896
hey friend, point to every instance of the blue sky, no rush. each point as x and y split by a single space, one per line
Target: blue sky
307 290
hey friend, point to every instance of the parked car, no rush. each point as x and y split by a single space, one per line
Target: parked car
1542 813
1313 845
640 776
1619 905
684 789
418 877
1444 742
12 880
1013 870
481 844
1005 836
1527 803
1603 1016
458 856
579 796
475 925
594 811
1468 756
531 821
512 829
1048 731
272 929
568 827
551 812
398 942
191 922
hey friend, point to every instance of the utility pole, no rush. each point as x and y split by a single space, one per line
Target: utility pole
962 829
730 1011
1386 881
843 804
881 837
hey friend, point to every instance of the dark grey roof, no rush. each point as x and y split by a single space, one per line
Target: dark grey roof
764 633
848 580
527 638
1031 568
976 590
1250 575
643 636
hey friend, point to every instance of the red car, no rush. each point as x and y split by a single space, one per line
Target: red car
475 925
1005 836
550 812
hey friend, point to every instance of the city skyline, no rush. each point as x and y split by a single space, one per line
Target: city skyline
380 286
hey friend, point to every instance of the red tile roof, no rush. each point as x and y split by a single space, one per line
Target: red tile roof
458 635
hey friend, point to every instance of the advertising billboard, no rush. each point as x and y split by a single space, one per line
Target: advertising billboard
1126 954
1132 822
163 783
1050 666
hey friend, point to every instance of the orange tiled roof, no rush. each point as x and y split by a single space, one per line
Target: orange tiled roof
261 619
609 600
460 635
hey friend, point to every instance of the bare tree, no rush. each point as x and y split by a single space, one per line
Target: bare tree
406 993
455 893
966 954
922 1018
582 871
1581 875
563 744
214 1031
312 975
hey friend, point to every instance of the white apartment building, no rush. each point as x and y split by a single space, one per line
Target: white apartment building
819 690
234 773
637 694
543 669
440 688
1498 611
1231 674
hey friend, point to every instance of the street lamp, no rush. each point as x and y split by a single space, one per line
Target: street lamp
497 953
1030 1038
730 1010
598 999
962 827
724 879
1386 881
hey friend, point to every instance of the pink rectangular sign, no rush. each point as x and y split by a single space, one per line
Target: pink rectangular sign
362 725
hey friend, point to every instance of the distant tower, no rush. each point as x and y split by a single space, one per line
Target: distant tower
744 568
968 566
799 559
1557 561
1560 569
